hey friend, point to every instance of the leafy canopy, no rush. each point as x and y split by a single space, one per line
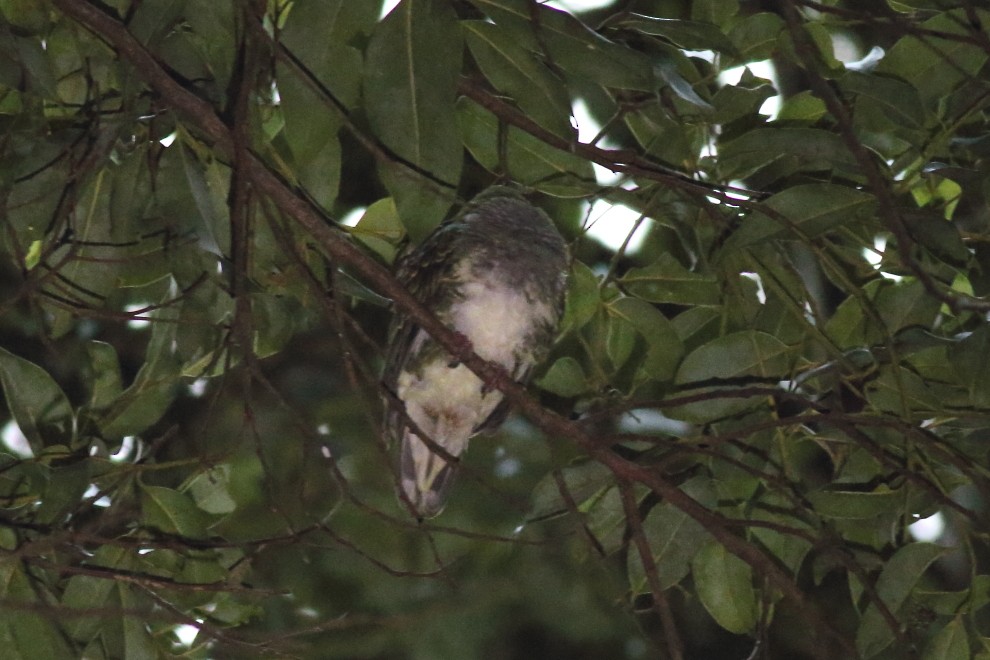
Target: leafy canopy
751 399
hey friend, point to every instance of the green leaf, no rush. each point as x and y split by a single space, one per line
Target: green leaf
564 378
40 408
151 20
276 319
27 16
23 633
936 66
333 21
668 73
899 101
718 12
620 339
789 549
210 490
212 30
136 641
210 197
745 353
149 396
311 130
584 481
755 37
807 210
725 587
896 582
528 160
690 35
105 381
514 71
802 107
317 34
714 404
380 228
949 603
665 347
697 325
740 101
172 512
939 235
850 326
855 505
664 136
411 107
606 519
906 304
951 643
86 592
674 538
572 45
902 392
92 272
583 298
666 280
64 491
33 256
968 358
37 73
789 150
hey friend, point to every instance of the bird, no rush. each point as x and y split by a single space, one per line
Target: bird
497 274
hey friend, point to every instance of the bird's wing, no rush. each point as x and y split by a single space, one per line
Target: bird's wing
424 270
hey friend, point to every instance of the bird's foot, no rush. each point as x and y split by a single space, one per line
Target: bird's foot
464 345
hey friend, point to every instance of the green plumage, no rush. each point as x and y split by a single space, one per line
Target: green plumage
496 273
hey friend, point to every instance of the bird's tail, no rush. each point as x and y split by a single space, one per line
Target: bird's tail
426 476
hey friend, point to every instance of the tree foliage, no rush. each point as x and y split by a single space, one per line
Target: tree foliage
745 410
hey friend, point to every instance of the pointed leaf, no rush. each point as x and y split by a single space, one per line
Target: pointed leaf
40 408
951 643
564 378
380 228
690 35
898 578
172 512
746 353
789 149
666 280
529 160
583 481
583 297
674 538
411 107
665 347
807 211
105 381
571 44
899 101
936 66
725 587
514 71
756 36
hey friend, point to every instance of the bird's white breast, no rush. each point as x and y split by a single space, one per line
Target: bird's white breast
496 317
447 400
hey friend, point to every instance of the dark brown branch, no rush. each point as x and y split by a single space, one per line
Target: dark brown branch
660 603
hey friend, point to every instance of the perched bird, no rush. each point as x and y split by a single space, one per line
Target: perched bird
496 273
